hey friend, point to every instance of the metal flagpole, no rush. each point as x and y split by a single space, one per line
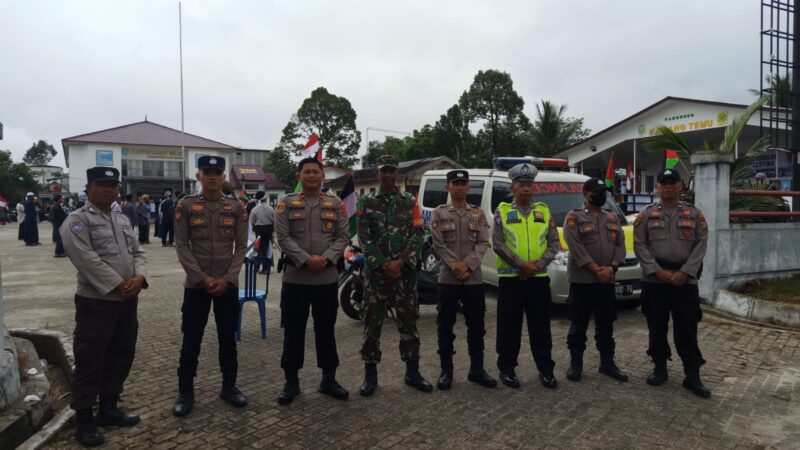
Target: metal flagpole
183 150
634 167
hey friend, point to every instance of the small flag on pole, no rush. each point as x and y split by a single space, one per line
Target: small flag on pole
629 179
312 149
253 250
671 158
610 173
348 197
244 197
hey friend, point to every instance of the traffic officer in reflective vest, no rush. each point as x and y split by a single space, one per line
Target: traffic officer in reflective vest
211 241
460 235
669 238
312 231
525 240
596 250
111 273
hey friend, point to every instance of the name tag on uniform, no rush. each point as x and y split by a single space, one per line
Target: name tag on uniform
328 215
512 217
198 207
198 220
227 222
686 223
296 203
328 204
227 208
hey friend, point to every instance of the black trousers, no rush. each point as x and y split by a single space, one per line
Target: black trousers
584 301
658 301
167 232
474 301
265 232
296 300
196 307
60 247
144 233
530 297
104 346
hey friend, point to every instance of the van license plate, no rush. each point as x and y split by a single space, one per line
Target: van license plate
623 290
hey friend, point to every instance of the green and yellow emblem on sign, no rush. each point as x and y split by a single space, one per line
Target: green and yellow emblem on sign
722 118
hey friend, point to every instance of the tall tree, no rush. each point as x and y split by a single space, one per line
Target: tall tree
451 133
279 162
15 178
330 117
390 146
552 132
491 98
39 154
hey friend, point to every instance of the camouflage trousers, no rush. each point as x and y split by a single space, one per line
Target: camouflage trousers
381 294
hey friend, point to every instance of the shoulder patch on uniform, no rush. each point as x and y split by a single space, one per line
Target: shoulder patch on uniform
702 221
77 227
434 224
571 221
639 218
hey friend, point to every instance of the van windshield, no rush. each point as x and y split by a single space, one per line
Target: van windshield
560 197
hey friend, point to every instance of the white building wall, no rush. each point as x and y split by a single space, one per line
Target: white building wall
84 156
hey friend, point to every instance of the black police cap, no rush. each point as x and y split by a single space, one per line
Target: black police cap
456 175
594 184
211 162
668 174
102 174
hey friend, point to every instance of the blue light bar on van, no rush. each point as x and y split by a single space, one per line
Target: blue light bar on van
507 162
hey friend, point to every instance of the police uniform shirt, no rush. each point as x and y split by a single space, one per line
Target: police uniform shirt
676 238
514 260
104 249
262 214
210 238
460 235
592 237
311 226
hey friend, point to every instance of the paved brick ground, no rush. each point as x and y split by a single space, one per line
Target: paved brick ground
754 373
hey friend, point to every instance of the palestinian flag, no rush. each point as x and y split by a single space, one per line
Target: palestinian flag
348 196
610 173
671 159
244 197
253 250
311 149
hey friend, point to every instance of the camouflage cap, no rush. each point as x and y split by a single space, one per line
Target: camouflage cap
523 172
388 161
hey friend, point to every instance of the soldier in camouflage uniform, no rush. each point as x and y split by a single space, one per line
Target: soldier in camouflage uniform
390 231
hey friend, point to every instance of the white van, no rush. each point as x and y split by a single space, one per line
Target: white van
561 191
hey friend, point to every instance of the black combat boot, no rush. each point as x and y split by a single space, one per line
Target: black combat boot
370 380
329 385
609 368
509 378
445 381
692 382
110 415
185 401
659 374
548 379
575 370
230 393
477 374
86 431
415 379
291 388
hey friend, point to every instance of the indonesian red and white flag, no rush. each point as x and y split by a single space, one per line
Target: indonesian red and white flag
311 148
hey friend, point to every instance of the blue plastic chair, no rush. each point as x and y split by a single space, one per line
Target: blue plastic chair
252 293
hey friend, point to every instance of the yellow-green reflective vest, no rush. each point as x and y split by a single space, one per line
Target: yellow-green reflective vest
525 236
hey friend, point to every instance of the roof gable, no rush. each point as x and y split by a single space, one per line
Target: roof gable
147 133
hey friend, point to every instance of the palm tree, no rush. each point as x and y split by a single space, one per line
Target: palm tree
552 132
780 90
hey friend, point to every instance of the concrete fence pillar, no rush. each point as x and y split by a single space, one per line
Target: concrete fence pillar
712 178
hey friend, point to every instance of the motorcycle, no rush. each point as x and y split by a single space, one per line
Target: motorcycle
351 282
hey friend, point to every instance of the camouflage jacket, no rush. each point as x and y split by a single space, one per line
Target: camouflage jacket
388 229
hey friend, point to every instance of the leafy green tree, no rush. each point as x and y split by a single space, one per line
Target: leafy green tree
330 117
492 99
552 132
280 163
15 178
40 154
390 146
452 134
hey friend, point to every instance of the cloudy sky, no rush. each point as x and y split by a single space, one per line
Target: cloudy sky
75 67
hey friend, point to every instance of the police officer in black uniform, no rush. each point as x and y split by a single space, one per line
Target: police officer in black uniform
670 240
596 245
211 238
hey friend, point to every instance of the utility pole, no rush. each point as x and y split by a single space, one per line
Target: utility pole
183 150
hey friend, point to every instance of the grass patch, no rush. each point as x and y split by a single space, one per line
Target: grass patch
782 290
